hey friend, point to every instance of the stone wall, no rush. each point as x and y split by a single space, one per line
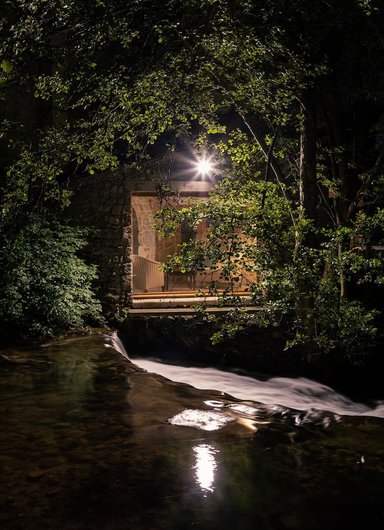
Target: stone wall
103 202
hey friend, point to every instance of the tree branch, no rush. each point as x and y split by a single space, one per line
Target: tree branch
264 148
370 176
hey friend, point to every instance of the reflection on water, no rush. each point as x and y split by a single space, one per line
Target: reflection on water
89 441
205 420
205 466
77 372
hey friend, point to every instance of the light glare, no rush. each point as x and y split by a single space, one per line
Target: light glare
204 166
205 467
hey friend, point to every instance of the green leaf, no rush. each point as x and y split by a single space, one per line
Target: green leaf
6 66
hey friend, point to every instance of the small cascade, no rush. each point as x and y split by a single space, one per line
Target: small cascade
300 394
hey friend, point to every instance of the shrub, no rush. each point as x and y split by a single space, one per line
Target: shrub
45 286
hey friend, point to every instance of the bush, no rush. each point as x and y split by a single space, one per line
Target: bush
45 287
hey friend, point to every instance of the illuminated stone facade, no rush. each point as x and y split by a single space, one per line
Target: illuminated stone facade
120 208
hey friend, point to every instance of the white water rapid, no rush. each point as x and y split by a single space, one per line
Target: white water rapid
294 393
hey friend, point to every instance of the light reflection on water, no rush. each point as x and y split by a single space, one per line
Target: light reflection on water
205 467
213 420
206 420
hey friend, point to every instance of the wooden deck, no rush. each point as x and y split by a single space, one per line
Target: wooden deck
186 311
184 303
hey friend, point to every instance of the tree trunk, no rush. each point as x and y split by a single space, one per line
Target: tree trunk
340 173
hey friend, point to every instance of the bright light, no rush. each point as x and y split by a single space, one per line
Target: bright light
204 166
205 467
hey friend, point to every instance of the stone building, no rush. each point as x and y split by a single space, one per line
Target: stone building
120 207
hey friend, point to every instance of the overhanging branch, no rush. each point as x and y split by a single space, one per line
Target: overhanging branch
271 161
367 182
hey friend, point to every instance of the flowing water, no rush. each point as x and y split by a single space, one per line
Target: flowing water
90 439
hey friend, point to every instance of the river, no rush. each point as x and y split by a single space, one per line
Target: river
92 438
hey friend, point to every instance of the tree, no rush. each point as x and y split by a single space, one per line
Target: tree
290 104
299 90
45 288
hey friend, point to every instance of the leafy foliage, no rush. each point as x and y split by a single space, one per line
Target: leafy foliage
257 234
45 287
279 91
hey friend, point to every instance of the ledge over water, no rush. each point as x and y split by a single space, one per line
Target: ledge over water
175 338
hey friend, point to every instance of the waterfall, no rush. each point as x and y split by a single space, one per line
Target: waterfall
300 393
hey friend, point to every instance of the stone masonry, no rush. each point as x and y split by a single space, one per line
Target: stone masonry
103 202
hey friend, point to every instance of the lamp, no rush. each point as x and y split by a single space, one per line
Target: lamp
204 166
